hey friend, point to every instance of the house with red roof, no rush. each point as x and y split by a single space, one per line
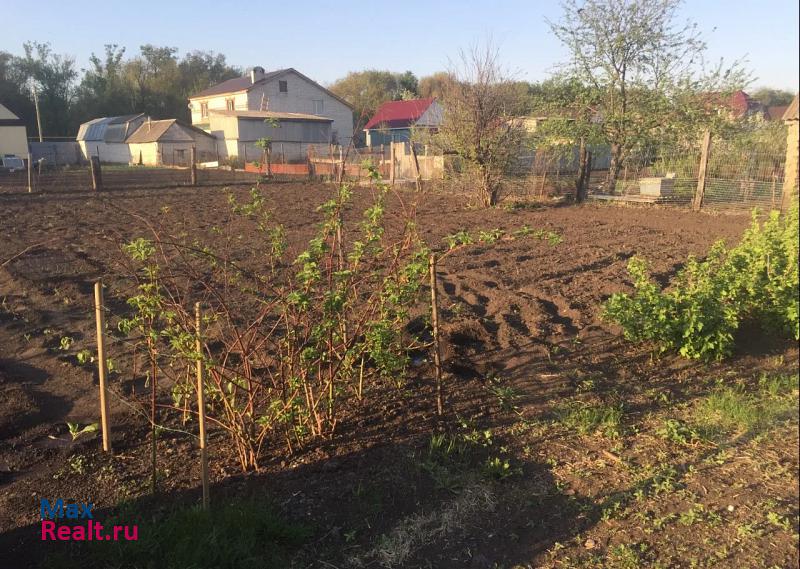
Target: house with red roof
394 121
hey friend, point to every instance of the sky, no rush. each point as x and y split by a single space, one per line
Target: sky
325 39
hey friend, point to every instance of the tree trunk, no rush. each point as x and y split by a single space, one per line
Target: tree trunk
580 183
489 190
614 168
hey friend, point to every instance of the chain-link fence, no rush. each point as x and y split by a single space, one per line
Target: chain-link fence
738 174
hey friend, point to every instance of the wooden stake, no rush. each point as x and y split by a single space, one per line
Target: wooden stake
101 365
391 163
201 408
97 177
30 173
437 359
699 194
193 168
415 163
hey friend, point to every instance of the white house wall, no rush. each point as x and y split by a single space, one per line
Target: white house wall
13 140
220 103
148 151
110 152
299 98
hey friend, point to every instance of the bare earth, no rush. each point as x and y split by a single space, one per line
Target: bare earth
523 340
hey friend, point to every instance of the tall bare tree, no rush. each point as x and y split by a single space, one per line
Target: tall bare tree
480 123
638 60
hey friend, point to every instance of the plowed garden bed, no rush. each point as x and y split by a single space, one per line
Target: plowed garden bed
562 445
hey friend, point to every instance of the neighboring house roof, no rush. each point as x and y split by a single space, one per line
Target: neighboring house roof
7 118
399 114
95 129
236 85
740 103
245 83
7 114
791 112
281 116
775 112
155 131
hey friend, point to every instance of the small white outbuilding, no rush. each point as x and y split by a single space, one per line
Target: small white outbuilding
13 136
169 142
106 137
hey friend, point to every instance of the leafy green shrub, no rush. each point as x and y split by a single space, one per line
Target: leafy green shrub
700 313
288 346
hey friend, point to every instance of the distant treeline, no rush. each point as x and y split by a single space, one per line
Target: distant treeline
158 81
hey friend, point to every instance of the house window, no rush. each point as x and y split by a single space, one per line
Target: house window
283 87
316 107
204 110
230 104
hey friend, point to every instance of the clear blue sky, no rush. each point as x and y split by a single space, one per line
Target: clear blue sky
326 39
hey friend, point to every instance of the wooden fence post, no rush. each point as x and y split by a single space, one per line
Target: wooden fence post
30 173
791 168
97 176
101 364
415 163
193 167
310 153
201 407
342 172
700 192
437 359
391 163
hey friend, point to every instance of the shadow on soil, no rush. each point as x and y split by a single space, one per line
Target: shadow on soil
390 505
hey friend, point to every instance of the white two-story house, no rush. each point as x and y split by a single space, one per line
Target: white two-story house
285 106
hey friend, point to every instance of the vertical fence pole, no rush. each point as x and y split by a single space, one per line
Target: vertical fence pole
391 163
437 359
101 364
30 173
97 177
201 407
700 192
792 164
415 163
193 167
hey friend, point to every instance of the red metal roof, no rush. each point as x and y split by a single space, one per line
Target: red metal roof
399 114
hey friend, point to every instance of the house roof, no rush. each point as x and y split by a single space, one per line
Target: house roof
95 129
791 112
236 85
5 113
154 131
239 84
150 131
399 114
775 112
271 115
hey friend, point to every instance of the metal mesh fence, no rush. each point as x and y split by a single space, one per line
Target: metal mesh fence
738 174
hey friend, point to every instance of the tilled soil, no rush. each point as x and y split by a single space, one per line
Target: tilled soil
523 314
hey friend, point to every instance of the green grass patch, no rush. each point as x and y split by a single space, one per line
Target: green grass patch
735 410
589 418
241 534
